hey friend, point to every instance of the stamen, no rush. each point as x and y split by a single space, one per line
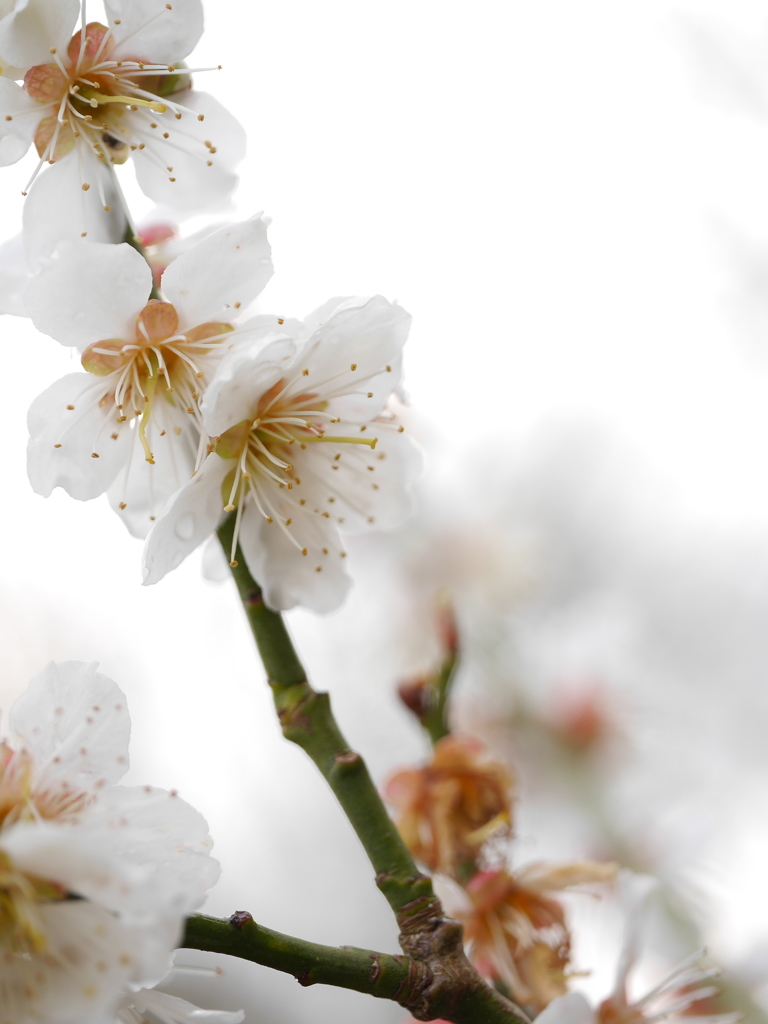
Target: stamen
371 442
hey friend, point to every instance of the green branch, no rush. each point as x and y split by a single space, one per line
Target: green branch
308 721
310 963
402 979
441 981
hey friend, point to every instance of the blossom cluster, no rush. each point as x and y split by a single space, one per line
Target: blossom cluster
190 406
95 877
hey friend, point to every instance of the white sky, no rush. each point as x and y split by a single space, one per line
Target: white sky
575 222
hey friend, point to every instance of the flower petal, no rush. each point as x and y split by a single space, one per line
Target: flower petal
154 30
74 721
19 117
317 580
172 1010
541 876
14 274
203 174
241 378
50 219
190 516
220 275
29 31
155 828
91 954
367 335
364 489
140 493
572 1008
89 293
72 438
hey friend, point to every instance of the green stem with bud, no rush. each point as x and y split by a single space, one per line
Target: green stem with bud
441 982
435 721
307 720
361 970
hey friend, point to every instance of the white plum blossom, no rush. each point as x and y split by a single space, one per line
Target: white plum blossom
673 998
95 878
303 448
93 98
131 422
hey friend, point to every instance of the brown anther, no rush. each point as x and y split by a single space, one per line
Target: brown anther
121 505
201 117
353 366
70 407
57 446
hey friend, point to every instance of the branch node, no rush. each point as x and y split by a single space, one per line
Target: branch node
347 759
240 919
305 979
375 970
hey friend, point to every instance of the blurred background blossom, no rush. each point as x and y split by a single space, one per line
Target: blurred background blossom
571 201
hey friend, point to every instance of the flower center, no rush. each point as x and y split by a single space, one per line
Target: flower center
21 894
109 106
21 801
160 360
262 448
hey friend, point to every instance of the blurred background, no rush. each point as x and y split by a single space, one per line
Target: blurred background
571 199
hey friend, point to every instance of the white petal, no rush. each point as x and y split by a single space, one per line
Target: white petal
149 30
91 955
368 489
287 577
158 831
241 378
215 565
57 210
369 337
572 1008
33 27
75 721
145 489
69 414
74 858
319 316
190 516
197 186
90 292
221 274
14 274
172 1010
16 135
